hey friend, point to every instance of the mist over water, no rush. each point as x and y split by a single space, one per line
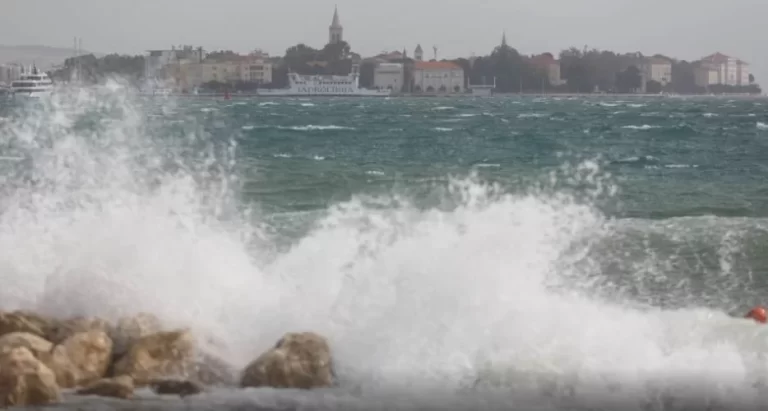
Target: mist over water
545 279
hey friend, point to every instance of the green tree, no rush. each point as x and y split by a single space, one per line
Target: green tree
653 87
684 78
576 70
335 51
90 69
299 56
629 80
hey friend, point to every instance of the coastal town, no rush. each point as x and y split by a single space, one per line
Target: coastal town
335 69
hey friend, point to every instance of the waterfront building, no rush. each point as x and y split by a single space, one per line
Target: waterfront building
438 76
720 69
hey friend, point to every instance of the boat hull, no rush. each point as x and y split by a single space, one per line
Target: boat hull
32 95
292 93
323 86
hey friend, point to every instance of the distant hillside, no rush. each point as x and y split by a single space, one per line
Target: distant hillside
43 56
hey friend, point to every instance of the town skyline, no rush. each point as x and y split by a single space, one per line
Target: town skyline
531 28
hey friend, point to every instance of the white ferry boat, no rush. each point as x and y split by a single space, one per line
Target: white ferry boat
32 84
323 85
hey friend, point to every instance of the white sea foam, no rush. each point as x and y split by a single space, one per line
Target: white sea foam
643 127
312 127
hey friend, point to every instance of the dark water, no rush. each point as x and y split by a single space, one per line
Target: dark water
693 166
669 157
553 249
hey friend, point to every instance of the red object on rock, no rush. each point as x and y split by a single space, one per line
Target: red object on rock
758 314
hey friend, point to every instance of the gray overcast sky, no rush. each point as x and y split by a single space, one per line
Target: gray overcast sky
687 29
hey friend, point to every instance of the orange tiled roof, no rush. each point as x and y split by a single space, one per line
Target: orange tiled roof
716 58
436 65
543 59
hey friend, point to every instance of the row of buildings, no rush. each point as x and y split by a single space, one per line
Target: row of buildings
715 69
185 68
188 68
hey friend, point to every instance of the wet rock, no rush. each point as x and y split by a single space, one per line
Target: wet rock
117 387
298 360
23 321
39 346
25 380
81 359
175 387
159 355
60 330
212 371
128 330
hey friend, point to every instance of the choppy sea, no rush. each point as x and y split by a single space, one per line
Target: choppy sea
479 253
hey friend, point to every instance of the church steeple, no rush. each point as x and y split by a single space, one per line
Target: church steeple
335 31
504 39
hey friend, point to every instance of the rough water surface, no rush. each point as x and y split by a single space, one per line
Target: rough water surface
478 253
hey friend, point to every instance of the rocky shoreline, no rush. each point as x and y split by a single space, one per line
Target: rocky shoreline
42 357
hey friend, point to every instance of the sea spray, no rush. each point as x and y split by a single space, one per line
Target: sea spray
110 219
488 292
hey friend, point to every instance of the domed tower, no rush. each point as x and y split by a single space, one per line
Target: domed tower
335 31
418 54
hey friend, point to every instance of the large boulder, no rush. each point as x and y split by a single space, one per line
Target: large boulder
298 360
130 329
81 359
60 330
117 387
39 346
23 321
163 354
25 380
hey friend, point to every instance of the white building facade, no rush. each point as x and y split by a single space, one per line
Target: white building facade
157 60
10 73
389 76
438 77
719 69
657 69
232 71
547 63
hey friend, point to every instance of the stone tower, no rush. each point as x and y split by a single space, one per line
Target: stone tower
335 31
418 54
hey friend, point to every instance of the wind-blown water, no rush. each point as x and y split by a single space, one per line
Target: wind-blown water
487 252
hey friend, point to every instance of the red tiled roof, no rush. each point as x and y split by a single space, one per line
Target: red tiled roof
658 60
543 59
436 65
718 58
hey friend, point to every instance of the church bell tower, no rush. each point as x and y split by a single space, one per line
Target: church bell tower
335 31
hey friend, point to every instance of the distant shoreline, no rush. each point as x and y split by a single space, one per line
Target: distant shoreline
424 95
